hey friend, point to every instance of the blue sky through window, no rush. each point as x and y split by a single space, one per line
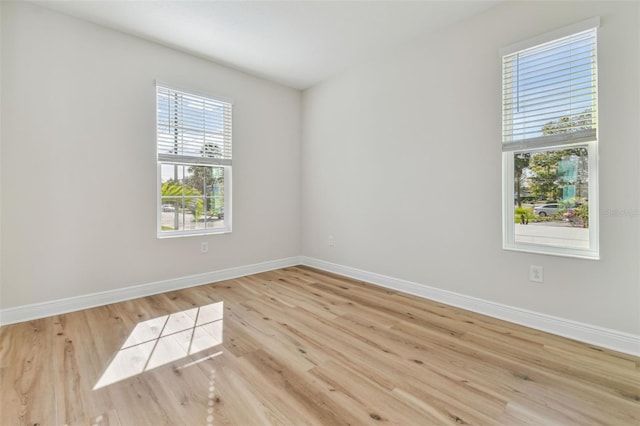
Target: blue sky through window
549 82
191 125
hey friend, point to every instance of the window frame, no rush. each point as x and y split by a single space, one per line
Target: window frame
554 142
225 164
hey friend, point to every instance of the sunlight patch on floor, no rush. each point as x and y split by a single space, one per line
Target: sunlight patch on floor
163 340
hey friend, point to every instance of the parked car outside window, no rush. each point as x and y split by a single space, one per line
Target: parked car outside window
546 209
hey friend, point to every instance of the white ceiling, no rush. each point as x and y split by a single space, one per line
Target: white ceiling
296 43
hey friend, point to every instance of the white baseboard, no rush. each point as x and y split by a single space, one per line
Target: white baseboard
71 304
603 337
607 338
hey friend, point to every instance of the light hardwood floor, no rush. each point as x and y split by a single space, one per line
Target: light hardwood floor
300 346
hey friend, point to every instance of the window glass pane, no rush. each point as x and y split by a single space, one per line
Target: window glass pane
192 197
551 197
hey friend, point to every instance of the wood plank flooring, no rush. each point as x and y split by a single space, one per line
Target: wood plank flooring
304 347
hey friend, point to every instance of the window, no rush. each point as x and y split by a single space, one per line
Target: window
549 143
194 163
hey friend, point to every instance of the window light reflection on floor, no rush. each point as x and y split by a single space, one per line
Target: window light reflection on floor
162 340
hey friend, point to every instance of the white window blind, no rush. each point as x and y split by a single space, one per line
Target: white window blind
192 129
550 93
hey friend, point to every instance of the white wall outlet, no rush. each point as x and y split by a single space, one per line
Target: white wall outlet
204 247
536 274
332 241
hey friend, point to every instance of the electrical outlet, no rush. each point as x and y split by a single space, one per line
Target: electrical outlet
204 247
536 274
332 241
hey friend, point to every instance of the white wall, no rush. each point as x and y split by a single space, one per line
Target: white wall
0 157
401 164
79 171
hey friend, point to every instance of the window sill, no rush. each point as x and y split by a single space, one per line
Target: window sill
197 233
553 251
